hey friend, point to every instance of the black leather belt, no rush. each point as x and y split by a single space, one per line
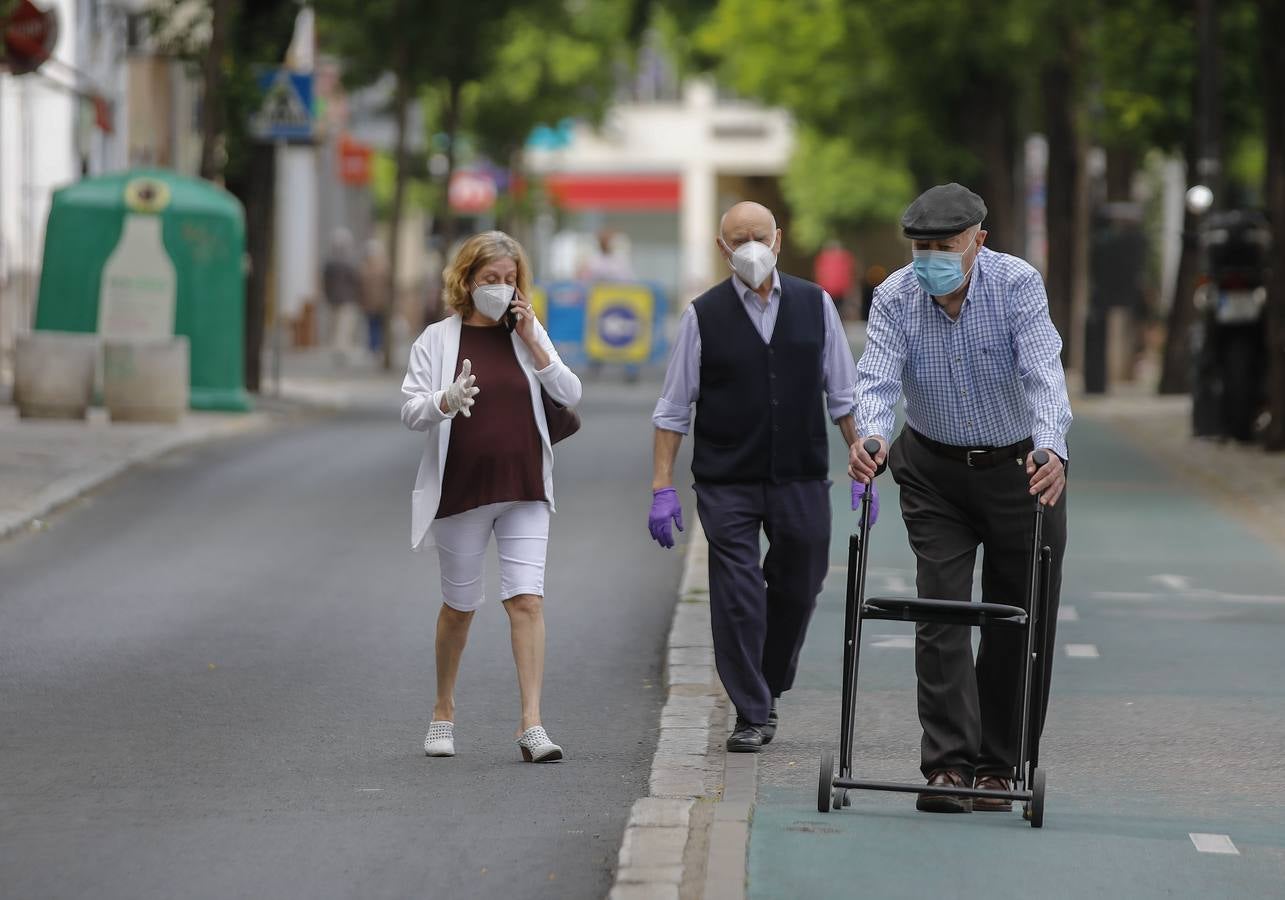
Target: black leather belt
978 457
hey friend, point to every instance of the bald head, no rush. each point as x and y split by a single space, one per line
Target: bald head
747 221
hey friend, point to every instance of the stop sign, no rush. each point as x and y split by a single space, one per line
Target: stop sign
471 192
29 37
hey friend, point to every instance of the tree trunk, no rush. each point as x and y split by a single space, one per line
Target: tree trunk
988 128
401 106
450 221
1058 89
1272 19
212 99
1122 164
1175 374
256 194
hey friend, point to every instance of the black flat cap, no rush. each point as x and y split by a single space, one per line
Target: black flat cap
941 212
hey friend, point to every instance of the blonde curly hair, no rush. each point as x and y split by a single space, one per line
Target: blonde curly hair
478 251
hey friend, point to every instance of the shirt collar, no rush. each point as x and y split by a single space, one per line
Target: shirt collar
747 295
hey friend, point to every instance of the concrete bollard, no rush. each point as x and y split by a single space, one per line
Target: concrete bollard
54 374
145 381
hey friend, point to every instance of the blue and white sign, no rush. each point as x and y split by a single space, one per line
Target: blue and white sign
286 113
618 326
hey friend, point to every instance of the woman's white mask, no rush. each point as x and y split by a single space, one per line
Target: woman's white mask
492 300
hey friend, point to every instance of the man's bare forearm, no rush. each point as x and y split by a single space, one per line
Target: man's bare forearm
664 452
848 428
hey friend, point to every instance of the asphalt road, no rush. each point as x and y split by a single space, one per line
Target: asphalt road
216 675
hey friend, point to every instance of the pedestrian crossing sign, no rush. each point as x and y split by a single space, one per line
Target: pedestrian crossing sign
286 111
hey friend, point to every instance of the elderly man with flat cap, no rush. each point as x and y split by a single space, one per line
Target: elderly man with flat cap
755 354
965 333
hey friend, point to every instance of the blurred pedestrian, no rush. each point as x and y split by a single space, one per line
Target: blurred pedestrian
475 384
341 284
755 353
874 277
610 262
834 269
965 333
375 300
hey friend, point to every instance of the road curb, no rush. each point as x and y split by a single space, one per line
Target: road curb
689 838
77 484
686 770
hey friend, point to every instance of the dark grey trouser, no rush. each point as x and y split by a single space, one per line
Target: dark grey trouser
971 713
760 611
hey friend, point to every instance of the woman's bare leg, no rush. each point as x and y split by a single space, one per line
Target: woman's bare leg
452 635
526 620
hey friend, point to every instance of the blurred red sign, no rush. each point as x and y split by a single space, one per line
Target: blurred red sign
29 37
471 192
354 162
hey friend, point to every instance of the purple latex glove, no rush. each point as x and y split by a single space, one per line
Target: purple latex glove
664 506
857 490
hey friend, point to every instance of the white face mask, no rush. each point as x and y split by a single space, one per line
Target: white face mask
753 261
492 300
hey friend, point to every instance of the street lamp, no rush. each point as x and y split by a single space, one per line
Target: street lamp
1199 199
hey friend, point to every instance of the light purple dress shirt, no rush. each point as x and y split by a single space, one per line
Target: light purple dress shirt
682 379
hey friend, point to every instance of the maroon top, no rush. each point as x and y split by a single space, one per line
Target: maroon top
494 455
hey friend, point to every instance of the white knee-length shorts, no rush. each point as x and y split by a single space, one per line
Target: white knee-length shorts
521 538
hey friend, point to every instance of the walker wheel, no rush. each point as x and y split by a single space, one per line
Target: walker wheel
825 783
1034 812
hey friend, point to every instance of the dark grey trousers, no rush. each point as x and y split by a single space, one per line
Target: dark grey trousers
759 611
971 712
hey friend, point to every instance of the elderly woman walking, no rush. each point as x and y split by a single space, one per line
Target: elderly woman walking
476 383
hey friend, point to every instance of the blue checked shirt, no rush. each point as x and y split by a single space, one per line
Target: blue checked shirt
992 377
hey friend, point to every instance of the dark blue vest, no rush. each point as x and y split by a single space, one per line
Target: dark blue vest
760 415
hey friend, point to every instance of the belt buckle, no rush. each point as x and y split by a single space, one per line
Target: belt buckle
969 457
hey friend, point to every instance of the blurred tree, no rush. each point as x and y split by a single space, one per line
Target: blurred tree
230 39
1272 63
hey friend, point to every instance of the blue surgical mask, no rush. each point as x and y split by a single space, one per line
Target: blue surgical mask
940 272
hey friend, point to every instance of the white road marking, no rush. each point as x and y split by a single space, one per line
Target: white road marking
1173 582
1082 651
1197 596
1214 843
897 641
1067 614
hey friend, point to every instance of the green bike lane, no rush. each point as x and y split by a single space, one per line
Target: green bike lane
1167 718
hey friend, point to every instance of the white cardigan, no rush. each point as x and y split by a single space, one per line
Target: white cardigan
433 359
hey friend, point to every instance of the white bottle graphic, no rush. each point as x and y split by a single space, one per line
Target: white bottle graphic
139 287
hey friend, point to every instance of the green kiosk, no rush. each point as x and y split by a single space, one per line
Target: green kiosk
149 254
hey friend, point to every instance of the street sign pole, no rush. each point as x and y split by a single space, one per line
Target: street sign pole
278 227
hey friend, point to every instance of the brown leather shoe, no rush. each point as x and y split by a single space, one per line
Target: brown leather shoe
939 803
992 783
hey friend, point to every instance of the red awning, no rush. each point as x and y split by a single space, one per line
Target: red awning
616 192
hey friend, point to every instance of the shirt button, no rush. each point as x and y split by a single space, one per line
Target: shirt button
956 359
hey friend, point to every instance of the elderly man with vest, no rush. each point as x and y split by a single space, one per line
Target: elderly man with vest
964 332
764 358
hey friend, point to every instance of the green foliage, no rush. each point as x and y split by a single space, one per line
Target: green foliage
832 188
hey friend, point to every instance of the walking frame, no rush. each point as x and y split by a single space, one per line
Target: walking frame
1028 778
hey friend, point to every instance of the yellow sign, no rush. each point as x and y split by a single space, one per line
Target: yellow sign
540 305
147 195
618 322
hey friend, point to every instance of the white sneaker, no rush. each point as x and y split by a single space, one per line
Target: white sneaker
440 740
536 746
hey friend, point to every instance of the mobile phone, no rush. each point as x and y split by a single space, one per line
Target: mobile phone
511 318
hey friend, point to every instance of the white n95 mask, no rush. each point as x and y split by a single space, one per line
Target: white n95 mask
753 261
492 300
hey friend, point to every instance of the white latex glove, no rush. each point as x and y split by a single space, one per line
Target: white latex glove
458 398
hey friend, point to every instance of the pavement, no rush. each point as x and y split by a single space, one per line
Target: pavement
1168 708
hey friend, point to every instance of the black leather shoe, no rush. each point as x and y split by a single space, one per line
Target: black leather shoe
746 738
940 803
769 730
